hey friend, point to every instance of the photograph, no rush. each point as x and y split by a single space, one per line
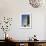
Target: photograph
26 20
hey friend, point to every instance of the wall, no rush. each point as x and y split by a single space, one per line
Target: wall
13 8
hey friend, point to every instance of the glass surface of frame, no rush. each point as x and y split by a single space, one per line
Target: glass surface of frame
26 20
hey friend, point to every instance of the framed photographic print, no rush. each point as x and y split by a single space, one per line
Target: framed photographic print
26 20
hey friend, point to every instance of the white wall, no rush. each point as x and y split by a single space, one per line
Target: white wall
13 8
